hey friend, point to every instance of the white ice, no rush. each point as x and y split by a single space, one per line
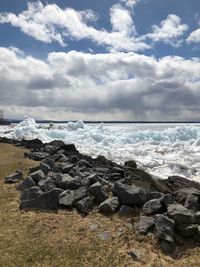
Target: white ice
164 152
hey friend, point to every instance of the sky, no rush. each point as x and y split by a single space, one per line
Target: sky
100 59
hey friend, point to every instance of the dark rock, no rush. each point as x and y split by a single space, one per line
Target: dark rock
167 200
69 149
98 192
46 184
167 247
181 194
131 163
192 202
152 206
145 224
174 183
69 197
84 205
129 195
45 167
180 214
186 230
126 210
65 167
164 228
110 205
45 201
84 163
134 255
14 178
37 156
68 182
33 169
31 193
27 183
34 143
197 217
118 171
153 195
37 175
56 143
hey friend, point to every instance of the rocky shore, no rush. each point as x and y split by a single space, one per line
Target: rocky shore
66 179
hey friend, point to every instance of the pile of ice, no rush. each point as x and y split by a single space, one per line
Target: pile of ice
172 151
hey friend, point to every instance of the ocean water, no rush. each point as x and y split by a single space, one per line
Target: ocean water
161 149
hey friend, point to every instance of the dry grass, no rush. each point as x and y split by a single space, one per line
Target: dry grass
65 238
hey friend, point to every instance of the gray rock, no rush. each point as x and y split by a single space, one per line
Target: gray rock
110 205
45 167
153 206
98 192
37 156
46 184
84 205
94 226
153 195
197 217
126 210
27 183
164 228
13 178
145 224
65 167
105 235
69 197
192 202
69 182
180 214
31 193
83 163
45 201
167 200
135 255
33 169
129 195
130 163
181 194
37 175
186 230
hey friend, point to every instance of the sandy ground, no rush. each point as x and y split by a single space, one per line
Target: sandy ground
65 238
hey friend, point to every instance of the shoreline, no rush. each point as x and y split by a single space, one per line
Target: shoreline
126 186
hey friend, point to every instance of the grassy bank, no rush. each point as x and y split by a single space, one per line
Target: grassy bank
65 238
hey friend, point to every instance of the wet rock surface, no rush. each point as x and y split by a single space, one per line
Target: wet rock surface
66 179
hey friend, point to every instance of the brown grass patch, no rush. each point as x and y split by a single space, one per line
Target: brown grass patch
65 238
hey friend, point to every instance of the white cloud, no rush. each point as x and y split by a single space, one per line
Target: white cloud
130 3
170 31
194 37
77 85
50 23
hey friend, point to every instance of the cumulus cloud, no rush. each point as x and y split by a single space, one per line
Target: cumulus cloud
170 31
49 23
194 37
130 3
78 85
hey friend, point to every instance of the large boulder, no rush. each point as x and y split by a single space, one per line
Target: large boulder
46 184
180 214
37 175
31 193
131 164
45 201
164 227
110 205
85 205
65 167
27 183
98 192
181 194
126 211
37 156
186 230
129 195
68 182
192 202
69 197
145 224
152 206
13 178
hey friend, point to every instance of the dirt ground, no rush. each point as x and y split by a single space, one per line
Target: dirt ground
65 238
